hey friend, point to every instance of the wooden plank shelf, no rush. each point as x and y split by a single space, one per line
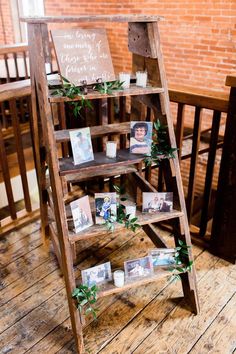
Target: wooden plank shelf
110 289
123 158
95 131
143 219
91 18
92 95
102 172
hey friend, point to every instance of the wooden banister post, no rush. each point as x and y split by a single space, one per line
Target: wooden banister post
223 241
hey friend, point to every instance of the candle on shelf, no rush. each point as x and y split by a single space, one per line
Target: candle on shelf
125 78
111 149
130 210
141 78
119 278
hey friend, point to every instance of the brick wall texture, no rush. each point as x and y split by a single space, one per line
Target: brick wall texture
198 36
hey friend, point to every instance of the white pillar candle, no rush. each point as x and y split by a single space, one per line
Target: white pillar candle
119 278
141 78
111 149
130 210
125 78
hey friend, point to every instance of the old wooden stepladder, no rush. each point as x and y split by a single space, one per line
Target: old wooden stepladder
144 43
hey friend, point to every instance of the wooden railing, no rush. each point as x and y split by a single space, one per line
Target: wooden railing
16 156
204 128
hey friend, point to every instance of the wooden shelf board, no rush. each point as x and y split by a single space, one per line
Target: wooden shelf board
95 131
124 158
132 91
143 219
110 289
91 18
102 172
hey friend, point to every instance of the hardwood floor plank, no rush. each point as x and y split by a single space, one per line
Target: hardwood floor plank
128 305
32 277
221 336
15 236
155 312
214 291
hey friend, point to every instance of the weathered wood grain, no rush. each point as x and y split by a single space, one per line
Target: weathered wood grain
93 95
151 316
219 338
215 290
92 18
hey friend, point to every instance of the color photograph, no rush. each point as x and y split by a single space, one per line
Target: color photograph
157 202
81 213
163 256
81 145
140 137
97 275
140 267
105 204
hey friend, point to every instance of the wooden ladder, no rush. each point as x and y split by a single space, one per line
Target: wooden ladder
144 43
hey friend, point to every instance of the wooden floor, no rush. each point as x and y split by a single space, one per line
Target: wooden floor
150 319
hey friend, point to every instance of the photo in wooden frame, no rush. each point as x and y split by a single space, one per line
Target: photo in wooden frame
81 145
81 213
140 267
163 257
140 137
157 202
105 205
97 275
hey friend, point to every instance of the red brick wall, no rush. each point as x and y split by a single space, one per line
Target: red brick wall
6 29
198 36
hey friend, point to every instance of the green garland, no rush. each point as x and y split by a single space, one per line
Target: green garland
160 148
122 218
183 264
86 297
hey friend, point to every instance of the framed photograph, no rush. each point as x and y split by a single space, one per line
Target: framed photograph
157 202
81 144
163 257
140 267
97 275
140 137
105 205
81 213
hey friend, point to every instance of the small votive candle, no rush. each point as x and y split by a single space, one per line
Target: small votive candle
119 278
111 149
141 78
125 78
130 210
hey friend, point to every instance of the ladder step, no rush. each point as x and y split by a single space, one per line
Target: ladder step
110 289
92 95
124 158
143 219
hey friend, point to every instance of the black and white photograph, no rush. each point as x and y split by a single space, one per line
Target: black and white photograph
81 213
163 257
140 137
97 275
105 204
157 202
140 267
81 145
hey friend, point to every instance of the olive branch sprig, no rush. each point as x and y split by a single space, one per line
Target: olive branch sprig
71 91
86 297
160 148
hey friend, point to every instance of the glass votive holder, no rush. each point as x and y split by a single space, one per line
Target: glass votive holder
141 78
125 78
119 278
111 149
130 210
